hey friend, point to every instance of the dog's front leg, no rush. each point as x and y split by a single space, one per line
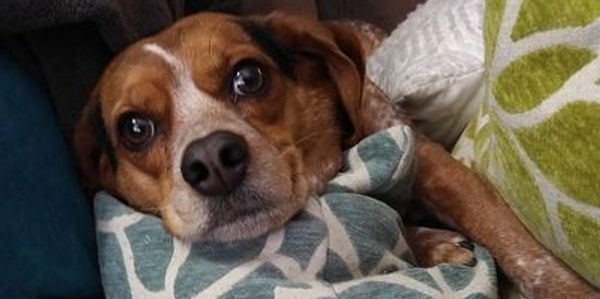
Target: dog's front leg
463 200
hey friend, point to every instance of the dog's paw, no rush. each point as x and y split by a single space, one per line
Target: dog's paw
432 247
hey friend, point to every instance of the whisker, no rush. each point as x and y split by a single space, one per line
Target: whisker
302 140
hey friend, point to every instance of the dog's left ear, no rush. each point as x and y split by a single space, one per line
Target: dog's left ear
332 43
374 111
343 47
350 45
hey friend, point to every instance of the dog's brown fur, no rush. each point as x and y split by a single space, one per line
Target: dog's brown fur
295 134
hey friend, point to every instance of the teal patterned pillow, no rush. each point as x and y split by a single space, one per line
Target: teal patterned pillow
344 244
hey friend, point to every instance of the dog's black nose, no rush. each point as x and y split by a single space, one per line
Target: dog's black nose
215 164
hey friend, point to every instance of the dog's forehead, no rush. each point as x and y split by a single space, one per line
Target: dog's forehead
204 37
202 44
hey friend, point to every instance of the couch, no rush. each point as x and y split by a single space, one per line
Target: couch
52 52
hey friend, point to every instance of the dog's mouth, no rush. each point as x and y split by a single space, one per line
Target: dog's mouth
230 211
245 214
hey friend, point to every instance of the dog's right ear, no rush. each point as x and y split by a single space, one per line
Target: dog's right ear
93 149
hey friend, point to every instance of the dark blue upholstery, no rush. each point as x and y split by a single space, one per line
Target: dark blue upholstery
47 239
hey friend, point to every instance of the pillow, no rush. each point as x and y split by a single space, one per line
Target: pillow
432 64
47 236
536 135
344 244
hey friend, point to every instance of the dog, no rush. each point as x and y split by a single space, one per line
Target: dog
224 126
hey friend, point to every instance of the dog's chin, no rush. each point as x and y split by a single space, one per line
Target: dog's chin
247 213
238 224
248 227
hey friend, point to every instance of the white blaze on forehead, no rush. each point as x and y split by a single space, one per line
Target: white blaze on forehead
195 114
190 102
164 54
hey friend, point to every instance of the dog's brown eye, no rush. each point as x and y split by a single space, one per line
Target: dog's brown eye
248 80
136 130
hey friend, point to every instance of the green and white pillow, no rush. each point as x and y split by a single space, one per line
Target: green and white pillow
537 134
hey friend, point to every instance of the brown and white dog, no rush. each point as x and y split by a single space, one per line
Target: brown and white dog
224 126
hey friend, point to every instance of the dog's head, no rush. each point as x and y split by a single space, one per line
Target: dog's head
224 126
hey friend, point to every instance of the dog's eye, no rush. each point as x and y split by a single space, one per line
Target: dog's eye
248 80
136 130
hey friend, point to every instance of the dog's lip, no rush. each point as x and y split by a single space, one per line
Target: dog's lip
248 212
240 213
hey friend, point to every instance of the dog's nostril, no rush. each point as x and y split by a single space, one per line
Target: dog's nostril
197 172
232 155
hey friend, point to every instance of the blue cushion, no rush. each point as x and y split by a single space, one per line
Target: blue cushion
47 243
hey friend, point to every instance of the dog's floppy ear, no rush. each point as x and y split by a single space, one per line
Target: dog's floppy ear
338 48
93 149
375 111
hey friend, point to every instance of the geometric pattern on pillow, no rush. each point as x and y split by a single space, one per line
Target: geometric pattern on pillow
344 244
537 134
